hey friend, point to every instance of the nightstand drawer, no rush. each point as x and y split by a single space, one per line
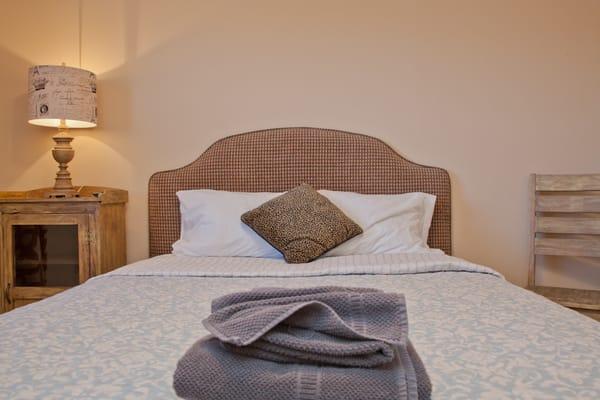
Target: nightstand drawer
28 295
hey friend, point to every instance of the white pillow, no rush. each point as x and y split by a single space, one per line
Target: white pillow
396 223
211 225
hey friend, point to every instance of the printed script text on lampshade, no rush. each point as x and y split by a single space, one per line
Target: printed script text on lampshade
58 92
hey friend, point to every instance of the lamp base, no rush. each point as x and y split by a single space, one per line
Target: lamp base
63 153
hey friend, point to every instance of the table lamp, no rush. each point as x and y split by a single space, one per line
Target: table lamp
62 97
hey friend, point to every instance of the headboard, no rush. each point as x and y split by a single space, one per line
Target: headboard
276 160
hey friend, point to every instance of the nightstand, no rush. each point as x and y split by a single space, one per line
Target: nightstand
48 245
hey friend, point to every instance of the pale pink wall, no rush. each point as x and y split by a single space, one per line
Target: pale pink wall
490 90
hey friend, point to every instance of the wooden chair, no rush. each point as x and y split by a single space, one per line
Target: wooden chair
565 222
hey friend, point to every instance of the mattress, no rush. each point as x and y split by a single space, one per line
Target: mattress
119 335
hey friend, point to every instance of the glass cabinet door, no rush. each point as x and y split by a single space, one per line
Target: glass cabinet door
46 254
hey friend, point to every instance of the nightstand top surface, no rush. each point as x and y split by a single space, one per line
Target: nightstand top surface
95 194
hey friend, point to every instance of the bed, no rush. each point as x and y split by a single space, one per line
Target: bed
120 335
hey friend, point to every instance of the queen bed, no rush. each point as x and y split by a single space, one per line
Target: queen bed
120 335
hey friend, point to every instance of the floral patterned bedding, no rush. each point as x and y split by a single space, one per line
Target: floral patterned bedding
119 335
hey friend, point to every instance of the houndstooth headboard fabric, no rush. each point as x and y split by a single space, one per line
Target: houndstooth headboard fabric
276 160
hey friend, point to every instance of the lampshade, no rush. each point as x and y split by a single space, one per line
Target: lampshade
58 92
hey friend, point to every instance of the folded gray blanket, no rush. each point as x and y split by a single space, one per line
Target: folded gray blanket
304 344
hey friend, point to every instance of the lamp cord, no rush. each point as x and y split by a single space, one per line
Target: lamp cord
80 24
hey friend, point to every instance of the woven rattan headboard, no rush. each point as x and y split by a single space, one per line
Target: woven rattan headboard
275 160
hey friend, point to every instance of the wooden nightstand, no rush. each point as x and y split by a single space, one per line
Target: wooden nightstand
50 244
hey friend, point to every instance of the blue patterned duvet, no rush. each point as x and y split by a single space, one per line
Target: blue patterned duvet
120 335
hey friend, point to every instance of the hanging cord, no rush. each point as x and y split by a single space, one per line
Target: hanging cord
80 13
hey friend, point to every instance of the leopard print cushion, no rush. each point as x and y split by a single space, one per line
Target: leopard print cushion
302 224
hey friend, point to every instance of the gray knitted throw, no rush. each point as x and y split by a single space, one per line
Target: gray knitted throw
323 343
